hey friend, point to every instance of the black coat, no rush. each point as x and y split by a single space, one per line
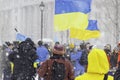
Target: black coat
23 64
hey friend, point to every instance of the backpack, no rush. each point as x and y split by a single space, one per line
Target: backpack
117 75
83 59
58 71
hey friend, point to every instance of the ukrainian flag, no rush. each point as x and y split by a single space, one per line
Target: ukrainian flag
71 13
91 31
20 37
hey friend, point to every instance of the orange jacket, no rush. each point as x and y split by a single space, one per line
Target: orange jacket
118 57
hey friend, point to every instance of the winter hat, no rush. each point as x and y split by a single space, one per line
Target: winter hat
58 49
8 43
29 40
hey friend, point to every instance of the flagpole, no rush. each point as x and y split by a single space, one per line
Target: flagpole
67 38
16 30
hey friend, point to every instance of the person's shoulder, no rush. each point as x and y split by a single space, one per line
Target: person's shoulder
67 61
110 77
79 52
14 52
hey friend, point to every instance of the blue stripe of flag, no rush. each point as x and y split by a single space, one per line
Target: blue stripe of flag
92 25
68 6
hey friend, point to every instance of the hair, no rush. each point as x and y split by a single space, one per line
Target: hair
82 46
40 43
29 40
8 43
57 43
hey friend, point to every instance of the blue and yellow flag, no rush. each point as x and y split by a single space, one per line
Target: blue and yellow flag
71 13
69 6
20 37
91 31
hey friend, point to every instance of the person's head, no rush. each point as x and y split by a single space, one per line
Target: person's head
40 43
82 46
87 45
115 50
57 43
59 49
90 47
29 40
97 62
107 47
9 45
46 45
118 43
16 43
71 46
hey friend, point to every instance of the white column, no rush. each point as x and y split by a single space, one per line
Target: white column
23 22
50 26
29 20
1 26
19 20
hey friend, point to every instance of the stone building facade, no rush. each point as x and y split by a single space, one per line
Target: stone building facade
25 15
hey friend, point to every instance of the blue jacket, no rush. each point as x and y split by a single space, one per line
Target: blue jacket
42 53
75 57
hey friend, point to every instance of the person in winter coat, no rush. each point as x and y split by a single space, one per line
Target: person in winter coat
75 58
23 61
42 53
114 58
98 66
118 60
107 50
6 63
46 68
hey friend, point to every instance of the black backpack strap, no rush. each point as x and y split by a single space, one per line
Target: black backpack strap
105 76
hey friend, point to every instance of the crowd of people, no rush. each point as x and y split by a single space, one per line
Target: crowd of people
25 60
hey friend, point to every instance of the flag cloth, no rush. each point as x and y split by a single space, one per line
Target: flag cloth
65 21
91 31
71 13
68 6
20 37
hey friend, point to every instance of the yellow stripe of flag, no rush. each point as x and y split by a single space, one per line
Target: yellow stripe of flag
68 20
83 34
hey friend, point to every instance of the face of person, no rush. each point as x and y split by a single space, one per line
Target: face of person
87 46
119 45
11 46
116 51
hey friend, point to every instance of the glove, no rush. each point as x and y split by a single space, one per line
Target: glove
12 66
35 65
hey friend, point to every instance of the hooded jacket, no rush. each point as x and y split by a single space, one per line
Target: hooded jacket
98 66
